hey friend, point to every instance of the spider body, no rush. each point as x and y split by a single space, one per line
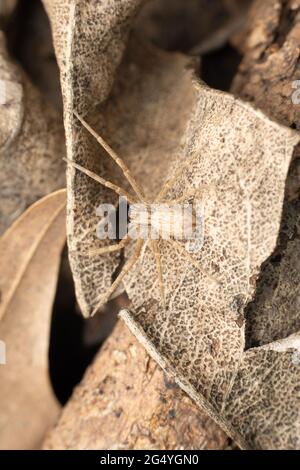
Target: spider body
151 223
166 221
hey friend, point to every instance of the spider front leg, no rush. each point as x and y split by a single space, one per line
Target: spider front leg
111 248
128 266
119 161
107 184
181 249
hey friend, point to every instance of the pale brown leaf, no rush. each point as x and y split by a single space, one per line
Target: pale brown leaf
272 315
202 340
29 263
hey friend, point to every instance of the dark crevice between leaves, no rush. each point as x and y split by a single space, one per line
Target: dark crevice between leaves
29 41
190 27
74 341
219 68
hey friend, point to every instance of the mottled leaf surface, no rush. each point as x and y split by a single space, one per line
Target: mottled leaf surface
29 260
31 142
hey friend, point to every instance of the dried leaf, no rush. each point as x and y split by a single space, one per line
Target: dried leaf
103 55
272 315
29 263
31 142
244 158
201 338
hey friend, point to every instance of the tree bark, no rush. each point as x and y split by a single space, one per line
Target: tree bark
125 401
271 62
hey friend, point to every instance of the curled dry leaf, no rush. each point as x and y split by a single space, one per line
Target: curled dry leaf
271 84
155 118
31 142
103 55
125 401
29 262
201 339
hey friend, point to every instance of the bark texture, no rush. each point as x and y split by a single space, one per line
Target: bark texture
28 406
271 59
125 401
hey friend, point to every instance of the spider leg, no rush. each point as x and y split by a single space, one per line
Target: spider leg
190 194
105 183
110 248
155 248
190 258
128 266
170 182
127 173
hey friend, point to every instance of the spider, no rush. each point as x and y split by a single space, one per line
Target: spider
151 219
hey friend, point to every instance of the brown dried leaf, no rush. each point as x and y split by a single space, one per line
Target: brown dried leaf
177 24
244 157
103 55
29 263
201 339
31 142
274 34
266 76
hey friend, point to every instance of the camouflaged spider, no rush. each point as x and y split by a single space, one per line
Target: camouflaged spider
152 218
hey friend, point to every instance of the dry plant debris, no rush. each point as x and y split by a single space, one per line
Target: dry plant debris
229 332
200 340
31 142
27 403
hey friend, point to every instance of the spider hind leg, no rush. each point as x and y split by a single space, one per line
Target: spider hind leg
126 269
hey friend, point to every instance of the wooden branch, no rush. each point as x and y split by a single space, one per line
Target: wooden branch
125 401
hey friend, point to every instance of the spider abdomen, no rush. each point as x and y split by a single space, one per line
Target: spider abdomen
161 220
